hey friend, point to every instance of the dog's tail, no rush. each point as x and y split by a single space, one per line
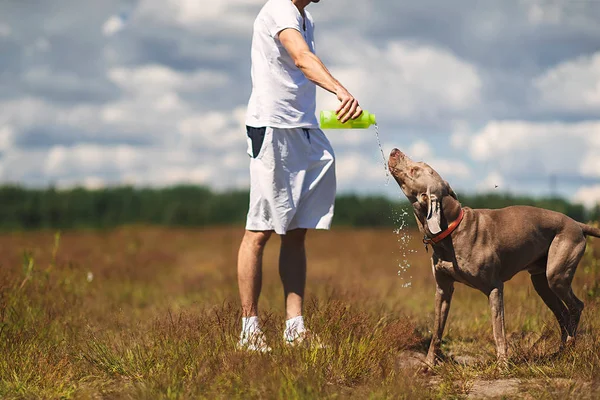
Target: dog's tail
590 230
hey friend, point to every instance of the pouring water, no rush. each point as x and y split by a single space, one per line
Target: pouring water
385 166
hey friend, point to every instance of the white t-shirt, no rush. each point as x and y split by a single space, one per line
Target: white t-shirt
282 97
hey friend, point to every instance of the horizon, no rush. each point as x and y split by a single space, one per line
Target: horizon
397 197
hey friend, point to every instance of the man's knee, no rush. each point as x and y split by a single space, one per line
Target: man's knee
294 237
257 238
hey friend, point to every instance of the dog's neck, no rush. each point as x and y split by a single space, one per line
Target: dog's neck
450 209
450 212
444 250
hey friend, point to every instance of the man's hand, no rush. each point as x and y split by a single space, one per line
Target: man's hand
349 108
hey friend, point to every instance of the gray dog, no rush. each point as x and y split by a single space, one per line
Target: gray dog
484 248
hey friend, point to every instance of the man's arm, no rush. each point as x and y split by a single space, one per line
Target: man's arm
313 69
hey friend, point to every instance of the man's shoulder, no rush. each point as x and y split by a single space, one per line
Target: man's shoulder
275 7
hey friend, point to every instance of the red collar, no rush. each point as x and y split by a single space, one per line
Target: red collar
447 232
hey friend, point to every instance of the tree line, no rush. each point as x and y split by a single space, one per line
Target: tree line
190 206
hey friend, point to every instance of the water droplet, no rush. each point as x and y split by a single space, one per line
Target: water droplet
385 166
403 239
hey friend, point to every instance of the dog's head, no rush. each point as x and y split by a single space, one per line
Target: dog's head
423 187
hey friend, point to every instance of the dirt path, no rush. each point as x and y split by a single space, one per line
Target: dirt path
494 389
512 388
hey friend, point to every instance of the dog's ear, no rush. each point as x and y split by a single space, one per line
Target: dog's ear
434 213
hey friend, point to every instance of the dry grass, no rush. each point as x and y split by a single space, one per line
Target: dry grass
144 312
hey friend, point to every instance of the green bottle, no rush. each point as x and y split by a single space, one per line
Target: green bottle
329 120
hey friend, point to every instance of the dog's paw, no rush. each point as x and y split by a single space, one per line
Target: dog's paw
502 364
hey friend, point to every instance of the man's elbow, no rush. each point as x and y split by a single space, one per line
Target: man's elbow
302 60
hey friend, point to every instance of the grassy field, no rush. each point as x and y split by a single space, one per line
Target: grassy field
143 312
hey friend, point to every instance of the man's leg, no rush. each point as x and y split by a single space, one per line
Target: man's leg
292 270
250 270
249 283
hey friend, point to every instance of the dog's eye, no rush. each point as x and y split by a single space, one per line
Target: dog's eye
413 170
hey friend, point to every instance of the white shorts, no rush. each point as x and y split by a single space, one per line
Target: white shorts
292 179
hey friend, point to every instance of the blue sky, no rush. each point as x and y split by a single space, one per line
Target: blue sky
153 92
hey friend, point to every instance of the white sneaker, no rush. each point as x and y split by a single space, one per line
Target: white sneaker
253 341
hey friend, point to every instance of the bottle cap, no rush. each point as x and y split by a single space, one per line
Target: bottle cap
372 119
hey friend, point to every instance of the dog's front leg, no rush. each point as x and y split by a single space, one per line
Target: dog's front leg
496 298
443 297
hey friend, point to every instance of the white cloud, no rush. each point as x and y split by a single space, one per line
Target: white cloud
494 180
420 150
42 44
459 140
199 174
152 116
155 78
590 165
349 137
113 25
512 140
580 15
213 130
359 170
142 166
235 160
353 168
26 111
500 137
589 196
543 11
7 134
403 80
184 145
210 122
461 133
529 155
230 15
93 183
19 166
152 107
573 85
42 78
449 168
92 159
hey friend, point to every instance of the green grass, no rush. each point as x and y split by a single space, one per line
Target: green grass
153 313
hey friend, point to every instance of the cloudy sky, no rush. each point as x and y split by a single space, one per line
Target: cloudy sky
153 92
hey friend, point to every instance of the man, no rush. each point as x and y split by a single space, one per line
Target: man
292 172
